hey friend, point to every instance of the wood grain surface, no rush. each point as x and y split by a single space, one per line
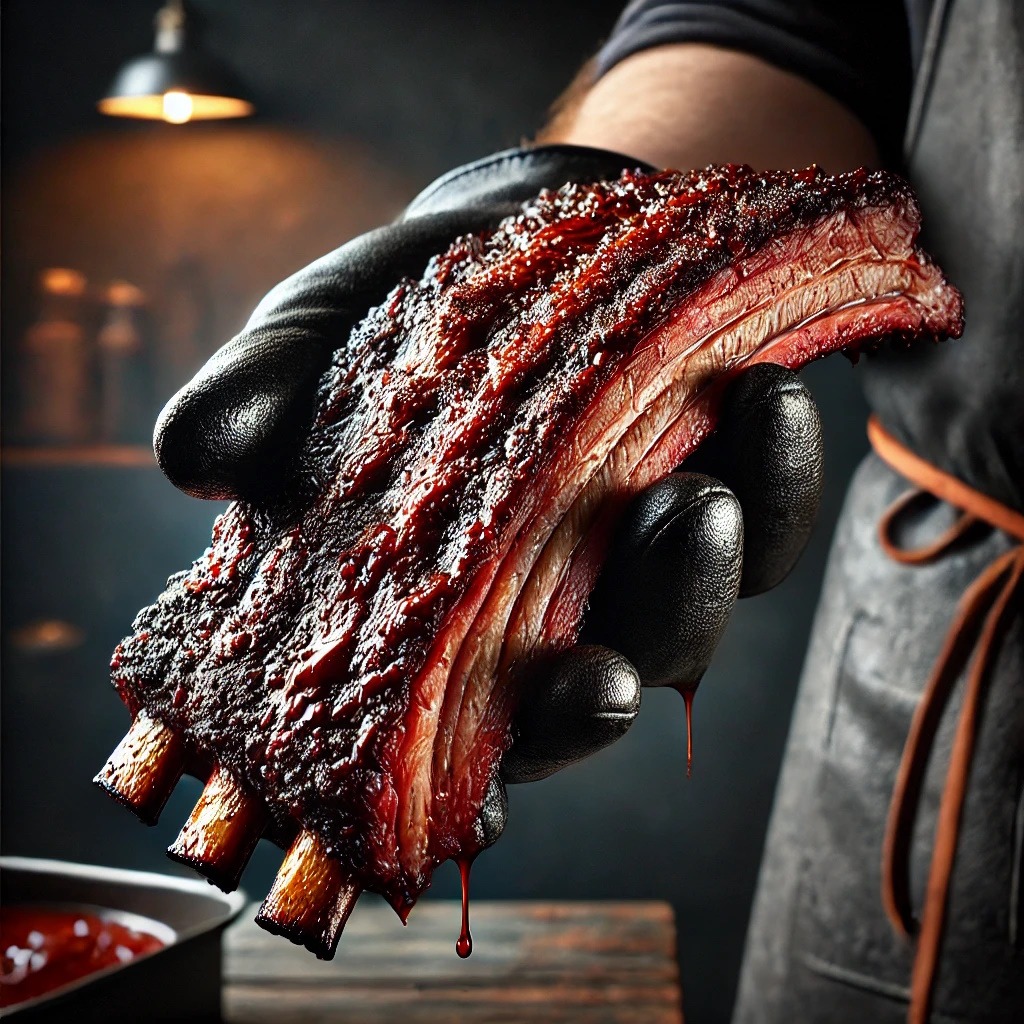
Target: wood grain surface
547 962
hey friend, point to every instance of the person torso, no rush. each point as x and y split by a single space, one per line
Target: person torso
961 404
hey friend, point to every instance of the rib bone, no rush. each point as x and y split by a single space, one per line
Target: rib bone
219 837
311 898
145 767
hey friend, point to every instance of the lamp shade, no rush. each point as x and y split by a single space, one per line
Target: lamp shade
175 83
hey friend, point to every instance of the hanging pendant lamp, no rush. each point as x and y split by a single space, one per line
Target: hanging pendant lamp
176 82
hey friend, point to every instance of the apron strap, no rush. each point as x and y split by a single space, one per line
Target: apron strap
942 484
981 616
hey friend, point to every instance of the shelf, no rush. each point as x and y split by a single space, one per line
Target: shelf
128 456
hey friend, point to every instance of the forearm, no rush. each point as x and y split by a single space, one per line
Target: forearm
688 104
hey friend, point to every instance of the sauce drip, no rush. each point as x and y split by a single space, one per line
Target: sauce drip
464 946
45 949
688 703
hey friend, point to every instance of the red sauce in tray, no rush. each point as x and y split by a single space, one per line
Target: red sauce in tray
44 949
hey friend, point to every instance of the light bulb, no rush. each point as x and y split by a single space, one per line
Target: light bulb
177 107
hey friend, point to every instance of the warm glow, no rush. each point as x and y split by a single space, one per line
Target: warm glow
61 281
177 107
203 108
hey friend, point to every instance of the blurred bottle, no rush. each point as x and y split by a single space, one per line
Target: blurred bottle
183 340
120 350
56 397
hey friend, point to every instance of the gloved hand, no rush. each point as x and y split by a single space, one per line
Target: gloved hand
733 524
233 430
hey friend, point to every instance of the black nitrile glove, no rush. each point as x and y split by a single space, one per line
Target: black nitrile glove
689 546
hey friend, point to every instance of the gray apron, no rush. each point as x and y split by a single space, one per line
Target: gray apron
820 948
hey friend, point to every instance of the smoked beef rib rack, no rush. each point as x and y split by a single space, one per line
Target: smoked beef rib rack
344 673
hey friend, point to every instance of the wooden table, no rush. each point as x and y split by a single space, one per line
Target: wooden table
548 962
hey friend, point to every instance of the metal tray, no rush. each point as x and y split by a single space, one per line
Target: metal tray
181 982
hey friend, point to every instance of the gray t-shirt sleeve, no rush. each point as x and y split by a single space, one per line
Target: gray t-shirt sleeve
857 52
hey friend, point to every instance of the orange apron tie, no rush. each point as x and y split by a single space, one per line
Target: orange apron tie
980 617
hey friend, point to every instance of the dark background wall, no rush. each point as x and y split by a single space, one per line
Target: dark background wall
361 104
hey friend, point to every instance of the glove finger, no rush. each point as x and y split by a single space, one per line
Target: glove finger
493 814
768 450
585 699
232 431
671 579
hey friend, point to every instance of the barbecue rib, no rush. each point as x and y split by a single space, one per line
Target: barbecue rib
344 666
